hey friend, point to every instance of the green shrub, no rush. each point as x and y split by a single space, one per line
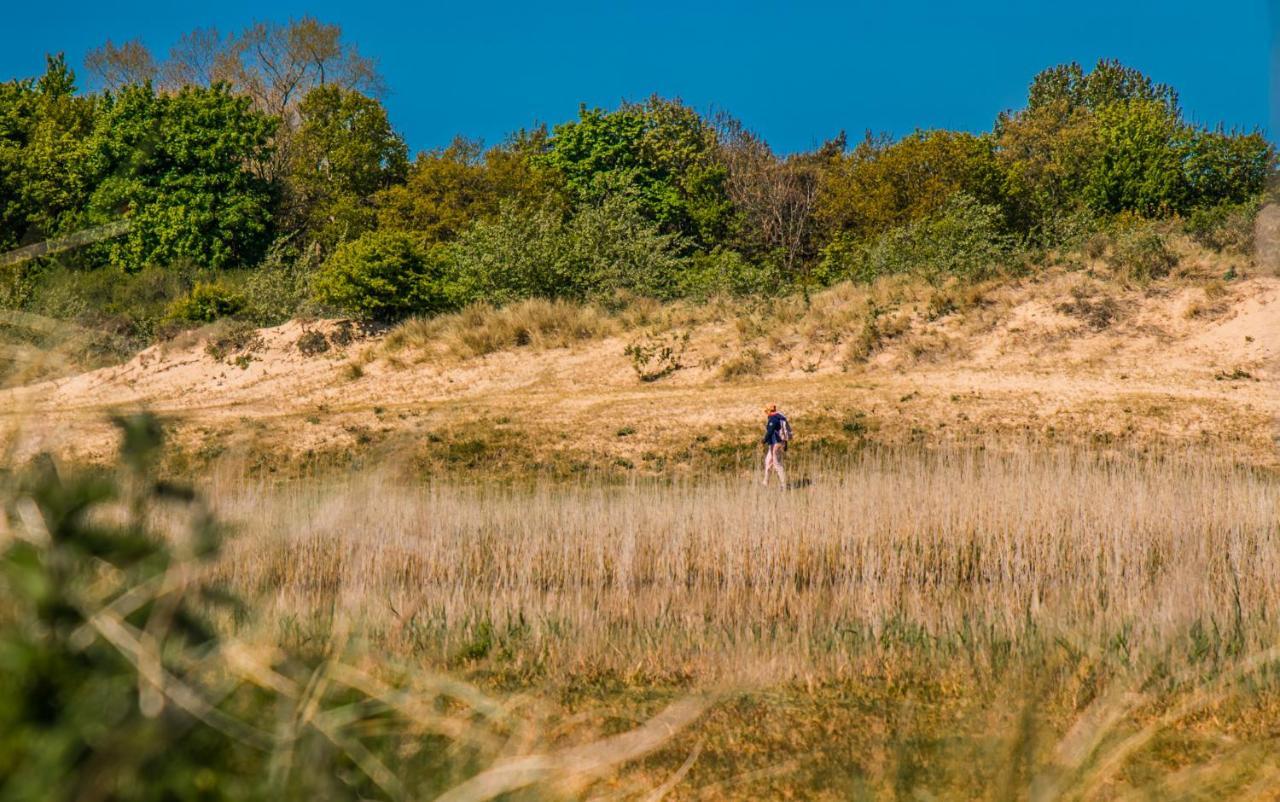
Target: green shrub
130 305
868 340
1142 252
1225 227
312 343
964 239
385 275
237 339
603 249
614 248
279 288
205 303
726 272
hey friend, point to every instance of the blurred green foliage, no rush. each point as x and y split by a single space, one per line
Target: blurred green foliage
97 637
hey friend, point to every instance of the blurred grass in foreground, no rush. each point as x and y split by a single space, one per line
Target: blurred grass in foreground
117 686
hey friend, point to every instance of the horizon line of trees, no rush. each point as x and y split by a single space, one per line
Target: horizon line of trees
262 165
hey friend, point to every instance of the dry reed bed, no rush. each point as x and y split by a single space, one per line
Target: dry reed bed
900 549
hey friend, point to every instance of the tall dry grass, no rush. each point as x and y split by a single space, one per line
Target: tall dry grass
965 553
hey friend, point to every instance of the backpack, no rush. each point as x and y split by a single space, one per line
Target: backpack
785 431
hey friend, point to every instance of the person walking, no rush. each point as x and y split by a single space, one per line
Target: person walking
777 433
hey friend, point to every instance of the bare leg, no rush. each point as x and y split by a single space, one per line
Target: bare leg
778 450
773 462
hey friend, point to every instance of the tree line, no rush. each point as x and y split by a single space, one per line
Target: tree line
259 176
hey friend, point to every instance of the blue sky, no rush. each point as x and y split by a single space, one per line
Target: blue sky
796 72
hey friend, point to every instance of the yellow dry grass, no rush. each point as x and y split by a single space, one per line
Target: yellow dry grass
935 551
1041 624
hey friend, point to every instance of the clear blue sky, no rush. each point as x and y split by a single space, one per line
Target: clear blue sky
796 72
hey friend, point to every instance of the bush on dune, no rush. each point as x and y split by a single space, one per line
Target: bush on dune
965 239
602 249
385 275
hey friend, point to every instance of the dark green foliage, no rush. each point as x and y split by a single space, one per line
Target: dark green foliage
75 718
386 275
660 154
180 167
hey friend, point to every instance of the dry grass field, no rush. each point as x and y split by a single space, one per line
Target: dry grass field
909 623
1029 552
942 552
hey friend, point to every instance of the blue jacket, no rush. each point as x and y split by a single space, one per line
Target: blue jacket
773 429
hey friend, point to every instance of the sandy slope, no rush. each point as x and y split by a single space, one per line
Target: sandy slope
1175 364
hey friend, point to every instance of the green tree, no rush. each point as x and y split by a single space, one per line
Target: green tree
1046 156
343 152
882 184
1140 147
45 143
179 166
450 188
386 275
17 109
1110 139
1108 82
446 190
1231 168
660 154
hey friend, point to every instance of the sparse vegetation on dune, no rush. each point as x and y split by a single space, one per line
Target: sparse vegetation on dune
483 329
1076 353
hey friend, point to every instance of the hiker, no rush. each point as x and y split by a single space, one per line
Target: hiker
777 433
